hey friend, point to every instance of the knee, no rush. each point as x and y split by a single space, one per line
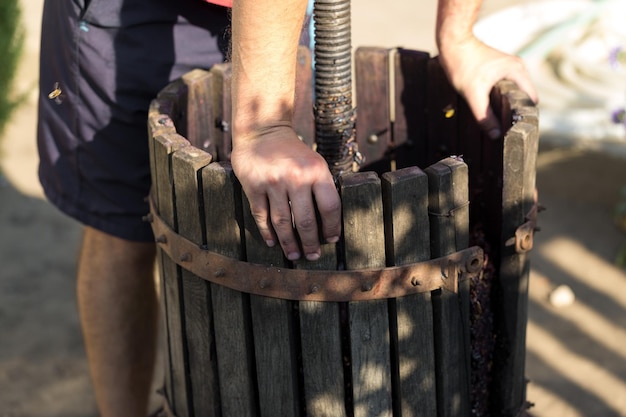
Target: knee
106 252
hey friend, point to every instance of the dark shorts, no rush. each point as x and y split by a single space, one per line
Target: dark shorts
101 65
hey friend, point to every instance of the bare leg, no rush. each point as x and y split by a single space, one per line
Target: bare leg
118 311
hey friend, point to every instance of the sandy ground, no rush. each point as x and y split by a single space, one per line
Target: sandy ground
576 360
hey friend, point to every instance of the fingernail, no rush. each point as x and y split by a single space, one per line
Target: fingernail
494 133
270 243
312 256
293 256
333 239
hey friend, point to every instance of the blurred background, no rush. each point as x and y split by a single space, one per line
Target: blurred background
576 340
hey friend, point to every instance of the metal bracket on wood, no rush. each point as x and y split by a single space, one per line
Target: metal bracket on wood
524 234
315 285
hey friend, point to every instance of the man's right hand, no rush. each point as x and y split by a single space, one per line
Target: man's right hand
285 181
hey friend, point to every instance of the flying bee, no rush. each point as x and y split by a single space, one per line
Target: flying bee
56 94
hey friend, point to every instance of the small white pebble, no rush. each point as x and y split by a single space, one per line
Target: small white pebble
562 296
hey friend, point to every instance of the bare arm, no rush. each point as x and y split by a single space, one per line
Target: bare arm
265 41
473 67
282 178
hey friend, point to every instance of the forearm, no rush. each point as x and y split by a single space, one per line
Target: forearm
455 21
264 49
284 180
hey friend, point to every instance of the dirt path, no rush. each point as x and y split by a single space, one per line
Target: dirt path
576 355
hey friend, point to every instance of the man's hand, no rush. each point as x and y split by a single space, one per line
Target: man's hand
474 68
284 181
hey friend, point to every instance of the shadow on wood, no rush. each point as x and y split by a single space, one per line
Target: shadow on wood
432 186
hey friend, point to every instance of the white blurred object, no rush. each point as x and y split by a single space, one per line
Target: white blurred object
567 46
562 296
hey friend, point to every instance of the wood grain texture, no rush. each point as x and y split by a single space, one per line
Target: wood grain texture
160 123
176 381
322 363
369 321
176 93
449 233
373 133
407 236
518 190
232 321
222 110
273 329
187 164
198 110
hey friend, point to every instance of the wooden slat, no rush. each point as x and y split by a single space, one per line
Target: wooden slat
321 348
176 381
491 213
449 232
460 199
448 206
519 158
222 108
501 160
405 197
303 120
186 166
469 147
273 328
369 323
520 106
373 131
232 322
410 139
442 117
159 123
176 93
196 304
501 104
198 110
160 116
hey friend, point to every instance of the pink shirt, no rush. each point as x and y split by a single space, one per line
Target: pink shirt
225 3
